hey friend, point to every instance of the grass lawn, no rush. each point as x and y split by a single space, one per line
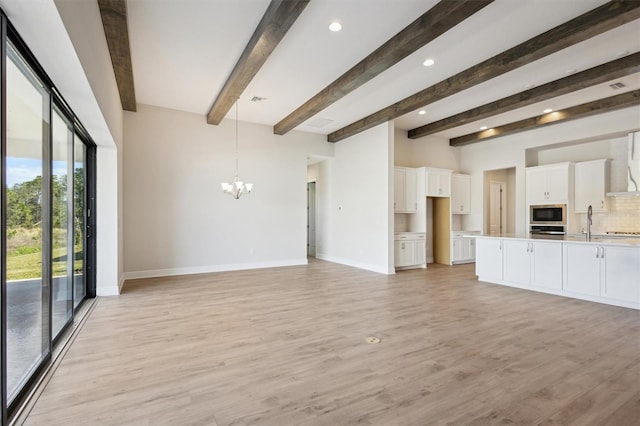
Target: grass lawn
25 266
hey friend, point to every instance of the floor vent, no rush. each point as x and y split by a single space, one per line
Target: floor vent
618 85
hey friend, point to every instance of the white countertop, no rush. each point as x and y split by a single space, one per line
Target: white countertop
595 239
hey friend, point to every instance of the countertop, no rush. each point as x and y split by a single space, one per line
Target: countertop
595 239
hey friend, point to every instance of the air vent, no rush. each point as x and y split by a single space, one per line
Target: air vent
618 85
258 99
318 122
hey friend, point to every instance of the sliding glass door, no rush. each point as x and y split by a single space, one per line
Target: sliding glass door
26 263
48 172
62 221
79 219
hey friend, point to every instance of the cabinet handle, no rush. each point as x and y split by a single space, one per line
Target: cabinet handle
597 252
602 204
602 253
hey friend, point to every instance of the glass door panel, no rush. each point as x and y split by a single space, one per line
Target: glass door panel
79 205
27 298
62 222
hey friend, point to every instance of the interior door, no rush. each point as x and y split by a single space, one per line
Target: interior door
311 218
496 208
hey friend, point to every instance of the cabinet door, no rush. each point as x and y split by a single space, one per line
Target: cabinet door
558 183
433 184
399 189
445 184
456 249
517 262
410 190
536 181
620 267
460 194
546 265
403 253
472 248
591 185
582 269
419 257
489 259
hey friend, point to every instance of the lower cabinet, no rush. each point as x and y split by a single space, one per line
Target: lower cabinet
608 271
533 264
409 250
605 273
489 259
463 249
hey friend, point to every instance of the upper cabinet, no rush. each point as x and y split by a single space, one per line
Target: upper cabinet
591 185
548 184
460 193
405 197
438 182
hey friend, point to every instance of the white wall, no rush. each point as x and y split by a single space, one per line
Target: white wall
429 151
355 193
510 151
70 45
178 220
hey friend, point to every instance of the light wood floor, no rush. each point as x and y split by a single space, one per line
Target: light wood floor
287 346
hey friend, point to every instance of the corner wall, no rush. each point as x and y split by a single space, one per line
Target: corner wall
355 200
178 220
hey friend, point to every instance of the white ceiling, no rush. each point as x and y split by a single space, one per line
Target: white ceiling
183 51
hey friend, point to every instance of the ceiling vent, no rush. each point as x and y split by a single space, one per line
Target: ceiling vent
618 85
258 99
318 122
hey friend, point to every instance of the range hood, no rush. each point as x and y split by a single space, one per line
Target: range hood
633 169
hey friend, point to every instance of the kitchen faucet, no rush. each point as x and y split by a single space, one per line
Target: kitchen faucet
589 222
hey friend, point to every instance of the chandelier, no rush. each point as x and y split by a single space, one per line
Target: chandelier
237 187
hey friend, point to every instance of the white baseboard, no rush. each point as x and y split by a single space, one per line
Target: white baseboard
154 273
110 290
360 265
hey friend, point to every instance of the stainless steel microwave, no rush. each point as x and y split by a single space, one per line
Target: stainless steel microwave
549 214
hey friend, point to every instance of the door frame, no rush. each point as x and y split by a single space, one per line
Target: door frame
315 218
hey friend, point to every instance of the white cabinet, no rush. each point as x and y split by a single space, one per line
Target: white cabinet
549 184
409 249
620 273
609 271
460 193
533 263
463 248
591 185
404 195
582 268
489 259
438 182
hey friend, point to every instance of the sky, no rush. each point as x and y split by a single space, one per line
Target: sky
26 169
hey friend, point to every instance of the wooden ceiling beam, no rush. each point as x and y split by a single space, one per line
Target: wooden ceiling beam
601 74
600 106
433 23
597 21
277 20
114 21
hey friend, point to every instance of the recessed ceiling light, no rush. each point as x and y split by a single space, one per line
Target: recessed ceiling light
622 53
570 71
483 128
548 110
335 26
528 85
428 62
422 112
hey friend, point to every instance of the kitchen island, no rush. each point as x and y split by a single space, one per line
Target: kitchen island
604 270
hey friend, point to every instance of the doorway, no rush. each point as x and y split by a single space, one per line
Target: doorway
499 201
311 219
497 208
